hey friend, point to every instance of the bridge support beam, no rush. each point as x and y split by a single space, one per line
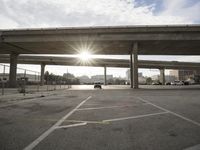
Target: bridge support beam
42 74
13 70
134 66
162 76
105 75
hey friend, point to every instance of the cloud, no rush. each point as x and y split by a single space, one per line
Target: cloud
189 10
7 22
51 13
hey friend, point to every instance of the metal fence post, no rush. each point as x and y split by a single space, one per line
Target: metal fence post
60 83
47 82
55 84
36 78
24 82
38 83
4 68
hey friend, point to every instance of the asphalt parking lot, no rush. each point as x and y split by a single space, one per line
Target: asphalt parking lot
114 119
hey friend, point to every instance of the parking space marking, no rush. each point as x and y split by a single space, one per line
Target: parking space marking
71 125
135 117
171 112
51 129
76 121
196 147
107 107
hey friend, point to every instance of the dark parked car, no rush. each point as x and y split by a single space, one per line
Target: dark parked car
167 83
177 82
157 83
186 82
97 85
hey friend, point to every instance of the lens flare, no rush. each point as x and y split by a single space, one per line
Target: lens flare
84 56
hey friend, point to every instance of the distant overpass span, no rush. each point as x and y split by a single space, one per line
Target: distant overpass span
99 62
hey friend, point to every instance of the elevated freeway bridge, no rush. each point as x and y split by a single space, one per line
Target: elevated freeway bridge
112 40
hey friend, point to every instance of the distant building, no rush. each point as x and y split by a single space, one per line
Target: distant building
169 78
174 73
128 74
197 78
29 77
141 79
155 77
140 74
84 79
100 78
68 76
184 74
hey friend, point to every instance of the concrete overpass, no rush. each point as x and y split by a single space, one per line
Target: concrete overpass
132 40
100 62
122 63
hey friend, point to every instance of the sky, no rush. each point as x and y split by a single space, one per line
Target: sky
76 13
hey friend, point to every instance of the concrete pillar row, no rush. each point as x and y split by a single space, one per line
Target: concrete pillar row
105 75
162 76
42 74
13 70
134 66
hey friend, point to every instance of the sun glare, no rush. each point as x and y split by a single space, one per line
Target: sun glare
84 56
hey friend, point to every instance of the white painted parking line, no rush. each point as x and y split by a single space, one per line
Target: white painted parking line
134 117
81 121
50 130
171 112
71 125
93 108
196 147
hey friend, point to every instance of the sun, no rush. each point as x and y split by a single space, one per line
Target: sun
85 55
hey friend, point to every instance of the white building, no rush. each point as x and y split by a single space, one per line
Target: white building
100 78
169 78
84 79
155 77
141 79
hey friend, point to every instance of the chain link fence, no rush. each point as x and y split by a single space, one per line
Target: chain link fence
28 81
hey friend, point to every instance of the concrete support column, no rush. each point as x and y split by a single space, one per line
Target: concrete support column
105 76
13 70
135 64
131 70
162 76
42 74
